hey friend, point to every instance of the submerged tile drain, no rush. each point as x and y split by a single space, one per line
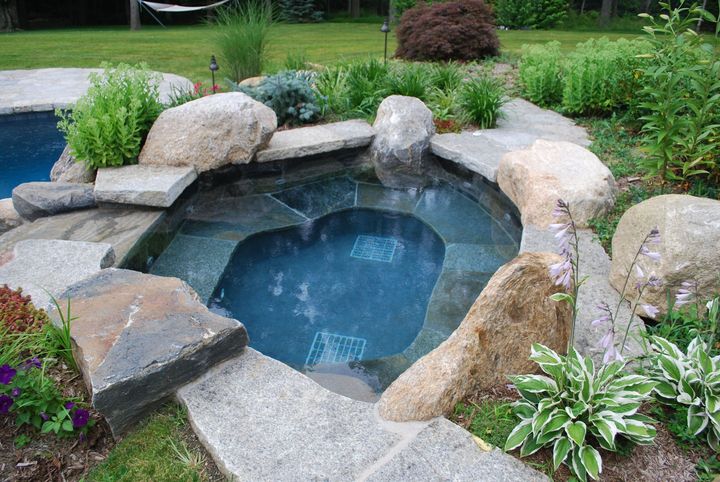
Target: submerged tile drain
331 348
374 248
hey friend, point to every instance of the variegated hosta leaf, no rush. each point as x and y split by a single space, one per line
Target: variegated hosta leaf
523 409
561 448
518 435
697 420
662 345
713 438
671 368
576 431
534 383
591 460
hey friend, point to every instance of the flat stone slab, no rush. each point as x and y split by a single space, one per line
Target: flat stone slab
521 125
121 228
47 267
156 186
138 337
38 90
309 141
261 420
319 198
33 200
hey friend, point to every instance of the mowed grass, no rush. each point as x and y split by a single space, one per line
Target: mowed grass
186 50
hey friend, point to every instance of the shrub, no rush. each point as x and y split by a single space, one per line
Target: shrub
481 99
331 88
444 105
242 37
289 94
457 30
411 80
108 124
574 406
600 76
300 11
446 77
535 14
681 97
17 313
541 73
366 86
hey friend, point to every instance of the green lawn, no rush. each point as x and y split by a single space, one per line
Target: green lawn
186 50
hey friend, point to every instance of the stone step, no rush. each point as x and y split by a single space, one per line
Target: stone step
309 141
139 337
261 420
33 200
156 186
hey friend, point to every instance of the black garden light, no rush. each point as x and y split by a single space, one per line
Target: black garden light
213 68
386 30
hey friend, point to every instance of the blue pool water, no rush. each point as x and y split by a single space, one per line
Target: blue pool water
353 285
29 146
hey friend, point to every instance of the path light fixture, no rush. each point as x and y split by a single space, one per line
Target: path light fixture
386 30
213 68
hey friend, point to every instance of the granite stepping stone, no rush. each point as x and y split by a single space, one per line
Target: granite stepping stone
33 200
156 186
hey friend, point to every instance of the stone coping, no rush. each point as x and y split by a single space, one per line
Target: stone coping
38 90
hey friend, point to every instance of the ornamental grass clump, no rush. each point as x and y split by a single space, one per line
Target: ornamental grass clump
109 123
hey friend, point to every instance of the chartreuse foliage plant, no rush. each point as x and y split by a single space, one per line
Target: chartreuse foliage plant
107 125
575 407
541 73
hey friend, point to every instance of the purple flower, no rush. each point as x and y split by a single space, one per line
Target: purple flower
44 416
82 438
69 405
654 236
655 256
639 271
686 293
80 418
607 316
15 392
31 362
607 342
5 404
7 373
650 310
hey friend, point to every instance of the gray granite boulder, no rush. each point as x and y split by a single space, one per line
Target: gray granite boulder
157 186
209 133
138 337
67 169
689 239
33 200
400 151
45 267
9 217
309 141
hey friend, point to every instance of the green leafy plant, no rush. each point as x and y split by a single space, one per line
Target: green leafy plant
300 11
242 35
446 77
60 337
289 94
108 124
444 104
366 83
681 96
537 14
575 407
331 89
411 80
540 73
691 379
481 99
296 60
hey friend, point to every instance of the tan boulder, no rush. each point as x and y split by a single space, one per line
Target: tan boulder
210 132
493 341
67 169
535 178
689 245
9 217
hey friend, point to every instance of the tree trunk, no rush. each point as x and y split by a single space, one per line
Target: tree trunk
8 15
605 12
134 15
582 7
355 6
699 24
648 3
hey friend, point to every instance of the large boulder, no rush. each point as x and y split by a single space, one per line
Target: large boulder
535 178
138 337
401 148
33 200
68 169
493 341
210 132
9 217
689 239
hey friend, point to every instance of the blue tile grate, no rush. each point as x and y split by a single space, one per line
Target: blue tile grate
374 248
331 348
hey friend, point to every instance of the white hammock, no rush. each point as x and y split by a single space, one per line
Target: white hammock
171 8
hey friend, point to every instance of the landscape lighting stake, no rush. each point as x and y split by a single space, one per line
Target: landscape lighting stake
213 68
385 29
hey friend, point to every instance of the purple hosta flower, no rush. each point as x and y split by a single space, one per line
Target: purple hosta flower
7 373
562 272
654 236
80 418
15 392
654 255
44 416
686 293
606 317
650 310
69 405
5 404
638 271
607 343
33 362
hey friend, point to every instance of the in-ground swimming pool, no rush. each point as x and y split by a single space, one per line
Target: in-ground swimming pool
29 146
344 279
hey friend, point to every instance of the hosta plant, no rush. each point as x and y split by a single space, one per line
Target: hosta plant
693 380
576 408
